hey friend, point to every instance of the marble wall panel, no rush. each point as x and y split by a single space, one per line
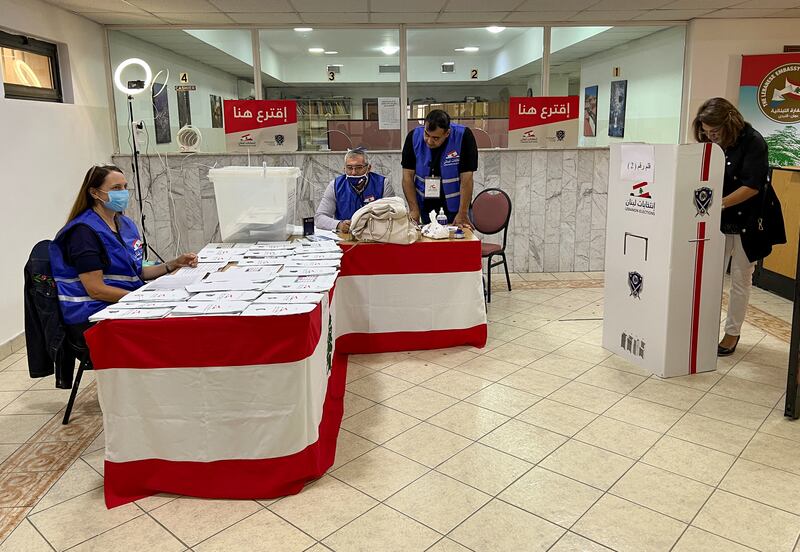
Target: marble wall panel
558 196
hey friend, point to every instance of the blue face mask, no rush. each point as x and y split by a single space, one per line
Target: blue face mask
356 180
117 200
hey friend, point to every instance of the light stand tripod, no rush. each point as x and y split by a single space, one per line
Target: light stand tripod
135 168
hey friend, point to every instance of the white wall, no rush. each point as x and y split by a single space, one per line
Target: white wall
714 56
46 148
207 79
653 67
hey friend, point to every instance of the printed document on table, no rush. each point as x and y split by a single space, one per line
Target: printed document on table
277 310
289 298
260 253
239 285
144 305
241 275
224 296
323 235
301 284
198 308
327 256
150 295
263 261
306 271
202 268
176 281
298 261
117 313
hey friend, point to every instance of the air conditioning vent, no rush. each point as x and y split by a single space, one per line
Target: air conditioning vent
335 68
449 67
388 68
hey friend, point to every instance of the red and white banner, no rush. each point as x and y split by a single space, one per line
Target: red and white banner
544 121
268 126
426 295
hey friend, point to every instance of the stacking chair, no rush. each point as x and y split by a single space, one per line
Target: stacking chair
491 212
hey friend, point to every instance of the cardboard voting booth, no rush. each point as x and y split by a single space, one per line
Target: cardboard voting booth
664 256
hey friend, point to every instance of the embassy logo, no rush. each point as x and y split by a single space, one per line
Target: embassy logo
631 344
246 140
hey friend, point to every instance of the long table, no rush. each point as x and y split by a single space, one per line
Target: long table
250 407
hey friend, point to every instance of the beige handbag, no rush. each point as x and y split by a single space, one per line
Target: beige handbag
385 221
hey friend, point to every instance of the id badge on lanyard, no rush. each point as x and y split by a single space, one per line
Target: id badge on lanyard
433 187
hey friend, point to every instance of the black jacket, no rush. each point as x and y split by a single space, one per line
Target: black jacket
45 337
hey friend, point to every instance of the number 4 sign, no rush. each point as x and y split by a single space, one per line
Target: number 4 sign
184 78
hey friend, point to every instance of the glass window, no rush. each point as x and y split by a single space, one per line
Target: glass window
338 78
210 65
624 94
471 74
30 68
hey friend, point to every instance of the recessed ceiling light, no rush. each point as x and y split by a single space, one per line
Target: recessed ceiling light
330 52
303 29
389 50
467 49
316 50
494 29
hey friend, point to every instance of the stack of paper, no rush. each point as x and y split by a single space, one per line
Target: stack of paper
277 310
289 298
197 308
225 296
117 313
149 295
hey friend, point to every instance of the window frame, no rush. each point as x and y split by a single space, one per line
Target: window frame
42 48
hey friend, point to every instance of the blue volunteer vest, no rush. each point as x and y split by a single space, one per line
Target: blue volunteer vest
124 271
451 156
348 201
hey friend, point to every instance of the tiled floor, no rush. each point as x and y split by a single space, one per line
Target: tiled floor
541 441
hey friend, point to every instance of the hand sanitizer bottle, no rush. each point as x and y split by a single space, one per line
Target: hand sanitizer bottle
441 218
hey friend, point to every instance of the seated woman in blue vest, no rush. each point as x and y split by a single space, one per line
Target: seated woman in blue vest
348 192
96 258
438 160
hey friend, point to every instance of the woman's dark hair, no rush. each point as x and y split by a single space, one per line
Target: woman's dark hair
436 119
722 114
94 179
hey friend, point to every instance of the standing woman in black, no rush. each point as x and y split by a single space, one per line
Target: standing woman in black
746 175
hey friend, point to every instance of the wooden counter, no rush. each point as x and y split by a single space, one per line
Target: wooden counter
777 272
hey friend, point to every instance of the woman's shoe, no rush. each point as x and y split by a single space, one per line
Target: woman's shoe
727 351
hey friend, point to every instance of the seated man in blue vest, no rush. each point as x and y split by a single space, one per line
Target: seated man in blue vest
349 192
438 160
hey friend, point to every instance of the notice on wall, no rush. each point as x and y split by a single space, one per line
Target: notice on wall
388 113
637 162
268 126
543 122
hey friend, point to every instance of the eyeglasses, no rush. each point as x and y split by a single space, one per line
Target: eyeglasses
355 168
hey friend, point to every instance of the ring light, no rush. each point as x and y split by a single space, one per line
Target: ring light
118 76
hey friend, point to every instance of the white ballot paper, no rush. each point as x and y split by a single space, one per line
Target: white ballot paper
318 256
149 295
263 261
277 310
273 245
242 275
319 247
238 285
143 305
220 255
301 284
299 261
118 313
260 253
289 298
202 268
306 271
197 308
224 296
176 281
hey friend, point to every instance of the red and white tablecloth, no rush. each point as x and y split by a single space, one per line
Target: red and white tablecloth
427 295
250 407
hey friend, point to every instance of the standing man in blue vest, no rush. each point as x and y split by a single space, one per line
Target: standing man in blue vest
438 160
348 192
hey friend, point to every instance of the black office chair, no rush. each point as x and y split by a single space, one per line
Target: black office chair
491 213
77 346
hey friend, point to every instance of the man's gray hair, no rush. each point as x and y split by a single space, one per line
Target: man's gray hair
354 152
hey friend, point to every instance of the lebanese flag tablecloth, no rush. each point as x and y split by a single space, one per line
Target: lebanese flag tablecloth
235 407
427 295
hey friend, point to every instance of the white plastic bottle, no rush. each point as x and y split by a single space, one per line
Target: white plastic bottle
441 218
